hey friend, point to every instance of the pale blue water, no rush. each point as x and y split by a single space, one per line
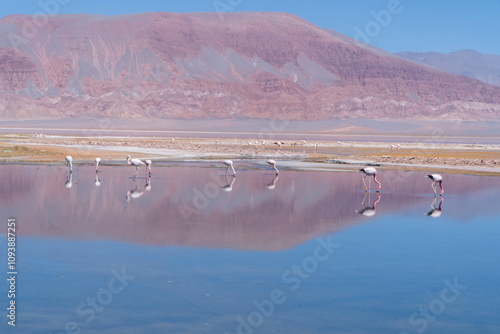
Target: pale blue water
217 270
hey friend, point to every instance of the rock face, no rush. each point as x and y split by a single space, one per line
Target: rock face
484 67
258 65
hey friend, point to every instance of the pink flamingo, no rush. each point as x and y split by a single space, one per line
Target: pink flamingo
436 178
229 163
69 160
97 161
279 144
273 163
392 147
370 171
135 162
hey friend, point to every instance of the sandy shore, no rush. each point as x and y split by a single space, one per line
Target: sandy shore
484 158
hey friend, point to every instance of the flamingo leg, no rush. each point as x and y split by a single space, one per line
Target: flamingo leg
366 188
364 198
234 172
433 185
227 168
369 183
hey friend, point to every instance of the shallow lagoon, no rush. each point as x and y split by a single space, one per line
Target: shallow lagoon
191 251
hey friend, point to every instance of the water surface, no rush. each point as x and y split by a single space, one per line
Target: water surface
201 252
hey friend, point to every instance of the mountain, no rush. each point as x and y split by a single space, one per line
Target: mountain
250 65
484 67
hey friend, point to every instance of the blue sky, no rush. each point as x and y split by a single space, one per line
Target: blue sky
418 25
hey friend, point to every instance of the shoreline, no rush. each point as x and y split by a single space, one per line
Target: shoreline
477 159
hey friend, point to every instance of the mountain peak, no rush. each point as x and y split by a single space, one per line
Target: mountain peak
250 64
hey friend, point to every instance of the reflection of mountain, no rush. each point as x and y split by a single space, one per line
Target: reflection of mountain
175 212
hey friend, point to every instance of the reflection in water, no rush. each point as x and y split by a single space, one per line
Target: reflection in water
436 211
147 186
272 185
69 180
229 184
201 287
190 207
369 211
97 181
134 194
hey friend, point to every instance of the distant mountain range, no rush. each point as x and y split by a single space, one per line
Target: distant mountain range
484 67
250 65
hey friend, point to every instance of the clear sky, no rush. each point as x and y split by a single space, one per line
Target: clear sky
415 25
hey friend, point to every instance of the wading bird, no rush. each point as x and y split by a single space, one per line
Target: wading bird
436 178
69 160
148 164
370 171
134 162
229 163
273 163
279 144
97 161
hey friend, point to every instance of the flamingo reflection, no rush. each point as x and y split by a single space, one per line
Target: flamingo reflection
229 184
436 211
272 185
69 180
134 194
369 211
97 182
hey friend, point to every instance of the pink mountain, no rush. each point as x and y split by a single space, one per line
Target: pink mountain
250 65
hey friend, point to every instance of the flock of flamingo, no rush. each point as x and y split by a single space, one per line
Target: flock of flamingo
368 171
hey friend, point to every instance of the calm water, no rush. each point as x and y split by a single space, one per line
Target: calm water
190 251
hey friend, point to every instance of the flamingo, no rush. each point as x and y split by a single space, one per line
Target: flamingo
436 178
229 163
339 143
316 147
135 162
273 163
264 143
279 144
172 140
392 147
370 171
97 161
398 146
148 164
69 160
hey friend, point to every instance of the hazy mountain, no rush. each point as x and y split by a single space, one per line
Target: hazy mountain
258 65
484 67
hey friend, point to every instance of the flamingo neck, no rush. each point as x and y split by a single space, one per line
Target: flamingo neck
376 181
441 186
